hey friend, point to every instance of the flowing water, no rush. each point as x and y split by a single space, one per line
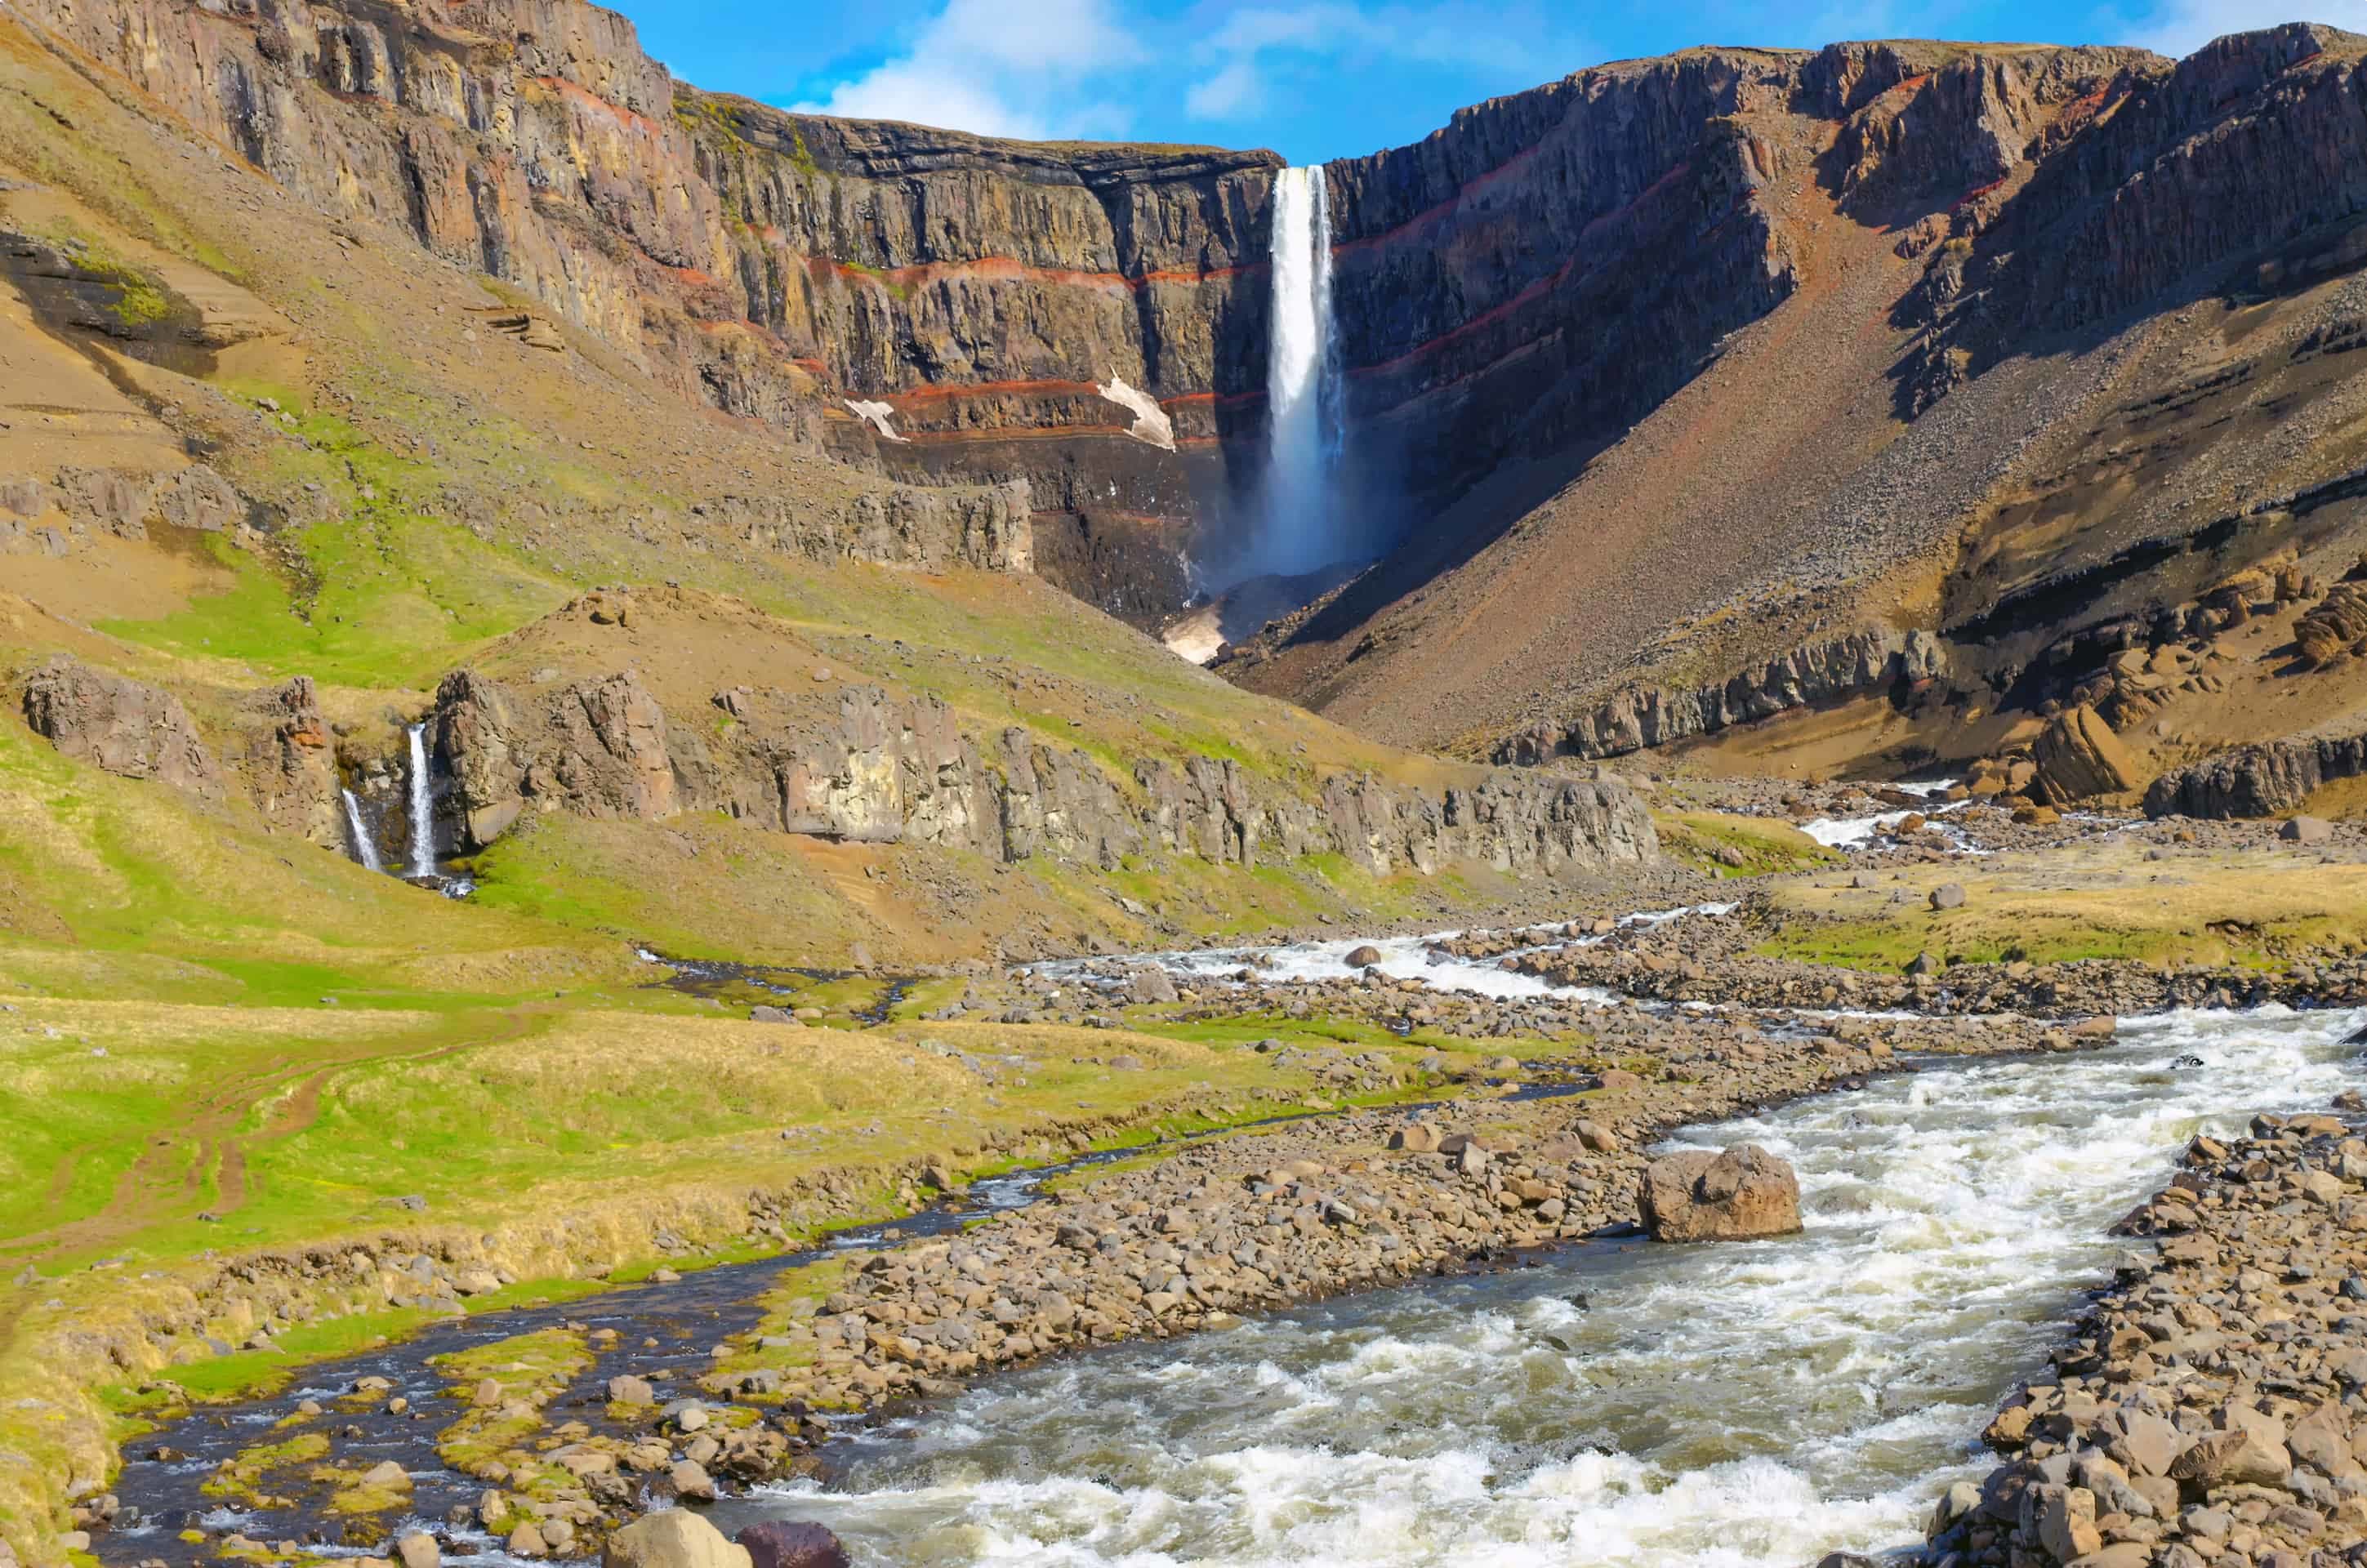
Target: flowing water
1301 527
422 810
365 846
1627 1403
1402 958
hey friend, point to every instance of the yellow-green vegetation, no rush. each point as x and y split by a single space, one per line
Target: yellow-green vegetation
113 887
794 1298
558 1133
505 1383
247 1477
379 591
2093 900
1726 845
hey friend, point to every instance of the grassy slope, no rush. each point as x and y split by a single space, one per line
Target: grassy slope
2098 899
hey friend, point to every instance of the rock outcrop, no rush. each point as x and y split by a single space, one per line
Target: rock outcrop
888 769
1694 1195
1878 660
2079 758
291 764
119 725
598 748
2256 781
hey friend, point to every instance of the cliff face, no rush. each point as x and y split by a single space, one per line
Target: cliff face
774 266
1766 305
2070 333
885 769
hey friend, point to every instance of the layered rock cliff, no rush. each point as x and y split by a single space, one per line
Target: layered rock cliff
2071 331
890 769
1875 662
2256 781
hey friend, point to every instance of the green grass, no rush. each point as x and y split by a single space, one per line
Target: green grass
383 594
113 887
1738 846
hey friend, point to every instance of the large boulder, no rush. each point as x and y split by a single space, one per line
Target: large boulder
1699 1196
792 1543
2078 757
119 725
672 1539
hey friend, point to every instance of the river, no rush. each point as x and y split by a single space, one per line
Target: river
1627 1404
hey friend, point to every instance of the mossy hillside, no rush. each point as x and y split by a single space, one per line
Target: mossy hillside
706 886
115 887
381 592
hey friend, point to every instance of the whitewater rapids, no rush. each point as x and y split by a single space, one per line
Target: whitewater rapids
1628 1404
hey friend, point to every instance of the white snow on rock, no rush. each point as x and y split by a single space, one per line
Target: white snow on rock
1150 421
875 414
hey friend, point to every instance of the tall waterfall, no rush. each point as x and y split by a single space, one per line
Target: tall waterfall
1302 519
365 847
423 815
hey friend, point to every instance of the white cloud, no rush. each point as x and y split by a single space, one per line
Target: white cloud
1232 93
2179 28
1468 35
1020 67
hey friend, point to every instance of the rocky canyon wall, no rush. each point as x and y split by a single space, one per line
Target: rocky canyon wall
900 768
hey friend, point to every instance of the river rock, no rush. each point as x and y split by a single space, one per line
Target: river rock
1151 984
418 1549
792 1543
690 1479
1698 1196
675 1537
1363 957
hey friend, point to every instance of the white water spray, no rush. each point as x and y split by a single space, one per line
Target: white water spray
365 848
1301 530
423 817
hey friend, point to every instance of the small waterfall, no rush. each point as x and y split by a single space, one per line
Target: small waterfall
423 815
365 847
1301 527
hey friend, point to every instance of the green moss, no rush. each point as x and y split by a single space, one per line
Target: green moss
248 1476
1727 846
384 593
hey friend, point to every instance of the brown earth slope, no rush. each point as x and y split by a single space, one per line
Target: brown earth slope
2066 342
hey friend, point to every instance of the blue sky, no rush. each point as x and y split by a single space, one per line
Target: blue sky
1313 79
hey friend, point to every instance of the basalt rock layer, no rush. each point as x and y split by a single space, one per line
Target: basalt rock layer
2256 781
1876 661
2071 333
890 769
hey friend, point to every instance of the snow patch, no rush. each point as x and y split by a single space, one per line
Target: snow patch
1151 421
876 415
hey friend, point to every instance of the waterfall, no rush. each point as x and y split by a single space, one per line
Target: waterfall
423 817
1301 524
365 847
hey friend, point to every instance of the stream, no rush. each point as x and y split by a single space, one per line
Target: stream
1627 1403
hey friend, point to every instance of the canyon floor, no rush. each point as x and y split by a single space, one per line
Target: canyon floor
499 1261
